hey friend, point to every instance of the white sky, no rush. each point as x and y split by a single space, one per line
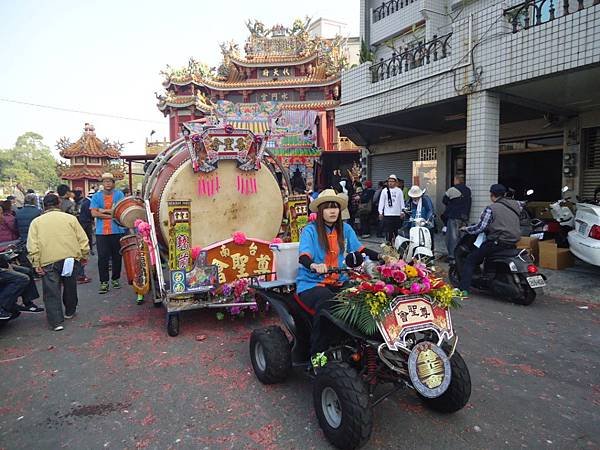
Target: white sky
105 57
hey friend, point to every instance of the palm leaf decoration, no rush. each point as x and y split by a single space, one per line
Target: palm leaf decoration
355 312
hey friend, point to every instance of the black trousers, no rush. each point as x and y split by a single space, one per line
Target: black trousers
475 258
391 227
108 251
12 284
30 293
88 227
321 335
53 283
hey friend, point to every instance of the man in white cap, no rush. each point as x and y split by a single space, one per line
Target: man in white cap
391 204
108 232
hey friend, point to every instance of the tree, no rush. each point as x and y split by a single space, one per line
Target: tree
365 55
29 162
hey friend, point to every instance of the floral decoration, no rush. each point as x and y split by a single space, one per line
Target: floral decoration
239 238
369 299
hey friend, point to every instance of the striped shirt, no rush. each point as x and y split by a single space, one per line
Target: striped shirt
102 200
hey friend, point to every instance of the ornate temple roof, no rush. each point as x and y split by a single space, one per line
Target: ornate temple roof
88 173
271 60
88 145
277 46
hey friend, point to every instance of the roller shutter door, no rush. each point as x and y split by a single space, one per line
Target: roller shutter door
400 163
591 163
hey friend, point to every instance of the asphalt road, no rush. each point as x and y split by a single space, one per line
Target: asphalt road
114 379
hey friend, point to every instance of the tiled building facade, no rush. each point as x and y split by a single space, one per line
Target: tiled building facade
502 91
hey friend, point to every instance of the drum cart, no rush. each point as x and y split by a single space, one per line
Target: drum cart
229 173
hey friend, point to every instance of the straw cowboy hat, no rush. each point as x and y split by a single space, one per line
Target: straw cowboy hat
107 175
328 195
415 192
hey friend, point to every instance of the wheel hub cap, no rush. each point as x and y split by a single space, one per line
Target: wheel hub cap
330 403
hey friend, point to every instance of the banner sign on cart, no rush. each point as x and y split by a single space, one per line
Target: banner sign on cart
298 215
408 314
253 257
180 235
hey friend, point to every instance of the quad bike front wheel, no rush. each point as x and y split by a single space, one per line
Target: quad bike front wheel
459 391
342 405
270 355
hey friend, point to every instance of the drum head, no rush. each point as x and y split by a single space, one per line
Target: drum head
217 217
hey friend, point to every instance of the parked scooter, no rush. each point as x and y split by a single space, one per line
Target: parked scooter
9 253
415 243
584 239
510 274
563 221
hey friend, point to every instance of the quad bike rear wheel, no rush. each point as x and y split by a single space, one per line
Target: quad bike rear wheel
458 393
270 355
342 405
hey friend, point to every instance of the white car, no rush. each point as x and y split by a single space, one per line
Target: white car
584 239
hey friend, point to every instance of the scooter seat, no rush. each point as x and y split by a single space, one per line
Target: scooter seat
507 252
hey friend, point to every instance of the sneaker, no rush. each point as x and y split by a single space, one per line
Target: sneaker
139 300
32 308
103 288
69 316
58 328
4 315
365 236
116 284
318 360
83 280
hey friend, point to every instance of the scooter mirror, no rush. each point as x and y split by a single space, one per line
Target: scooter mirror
564 189
529 192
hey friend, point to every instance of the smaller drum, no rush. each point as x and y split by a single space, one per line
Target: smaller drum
128 210
129 251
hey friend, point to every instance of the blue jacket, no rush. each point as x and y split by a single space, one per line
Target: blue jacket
23 219
426 208
309 245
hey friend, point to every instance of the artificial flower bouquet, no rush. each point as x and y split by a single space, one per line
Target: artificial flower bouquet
368 300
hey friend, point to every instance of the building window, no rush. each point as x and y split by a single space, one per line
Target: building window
79 160
94 160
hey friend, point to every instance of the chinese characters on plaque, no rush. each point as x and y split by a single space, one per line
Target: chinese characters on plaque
234 261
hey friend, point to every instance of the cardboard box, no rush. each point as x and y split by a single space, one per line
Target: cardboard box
552 257
531 244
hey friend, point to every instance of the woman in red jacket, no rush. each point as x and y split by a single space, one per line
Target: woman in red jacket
8 226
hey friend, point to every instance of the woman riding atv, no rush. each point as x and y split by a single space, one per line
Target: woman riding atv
324 244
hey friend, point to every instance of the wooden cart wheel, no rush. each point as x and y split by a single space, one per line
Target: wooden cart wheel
173 324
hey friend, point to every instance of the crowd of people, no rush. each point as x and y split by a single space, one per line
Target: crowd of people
387 210
53 236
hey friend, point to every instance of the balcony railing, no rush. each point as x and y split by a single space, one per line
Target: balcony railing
536 12
411 58
389 7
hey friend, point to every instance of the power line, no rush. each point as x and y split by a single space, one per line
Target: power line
60 108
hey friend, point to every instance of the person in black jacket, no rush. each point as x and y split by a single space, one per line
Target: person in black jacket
25 215
458 207
85 218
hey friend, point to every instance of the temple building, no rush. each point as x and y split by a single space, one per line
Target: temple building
285 80
89 157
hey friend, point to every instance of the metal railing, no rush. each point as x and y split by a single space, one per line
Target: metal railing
532 13
411 58
388 8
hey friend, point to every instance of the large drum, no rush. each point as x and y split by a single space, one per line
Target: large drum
218 216
128 210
